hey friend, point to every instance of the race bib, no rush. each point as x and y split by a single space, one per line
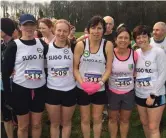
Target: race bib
60 71
33 74
123 82
144 82
92 77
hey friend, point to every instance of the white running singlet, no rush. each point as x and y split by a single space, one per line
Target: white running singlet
60 68
29 65
92 66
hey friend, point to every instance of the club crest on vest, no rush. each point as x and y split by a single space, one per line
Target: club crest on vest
86 53
66 51
147 63
39 50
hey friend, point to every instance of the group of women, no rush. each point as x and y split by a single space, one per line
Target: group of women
78 76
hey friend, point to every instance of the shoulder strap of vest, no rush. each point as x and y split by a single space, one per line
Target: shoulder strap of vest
104 49
84 43
133 56
72 48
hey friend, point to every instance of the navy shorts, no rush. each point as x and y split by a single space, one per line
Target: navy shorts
159 101
27 100
64 98
99 98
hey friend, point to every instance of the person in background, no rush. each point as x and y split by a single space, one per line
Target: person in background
47 29
72 37
110 33
7 29
159 40
159 35
17 31
53 20
83 37
37 34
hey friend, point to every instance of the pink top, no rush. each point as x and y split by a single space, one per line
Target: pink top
123 58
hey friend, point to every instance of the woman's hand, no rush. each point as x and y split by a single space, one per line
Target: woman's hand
150 101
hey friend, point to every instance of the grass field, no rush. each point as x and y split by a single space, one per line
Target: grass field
78 34
135 131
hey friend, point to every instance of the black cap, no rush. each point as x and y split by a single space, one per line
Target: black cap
24 18
7 26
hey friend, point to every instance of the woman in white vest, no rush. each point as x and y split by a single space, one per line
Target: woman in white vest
61 95
92 68
121 84
46 28
24 58
150 79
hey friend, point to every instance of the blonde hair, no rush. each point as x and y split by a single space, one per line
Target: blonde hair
68 24
54 21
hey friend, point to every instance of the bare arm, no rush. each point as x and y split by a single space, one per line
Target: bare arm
109 55
81 38
78 51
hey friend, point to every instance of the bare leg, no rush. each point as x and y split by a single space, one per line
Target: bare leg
97 119
67 114
9 128
54 112
23 124
144 119
113 123
85 120
155 115
124 122
36 124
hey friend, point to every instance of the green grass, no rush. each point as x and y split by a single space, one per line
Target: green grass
135 130
78 34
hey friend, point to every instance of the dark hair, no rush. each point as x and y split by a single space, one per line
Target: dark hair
123 29
94 21
17 27
141 30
